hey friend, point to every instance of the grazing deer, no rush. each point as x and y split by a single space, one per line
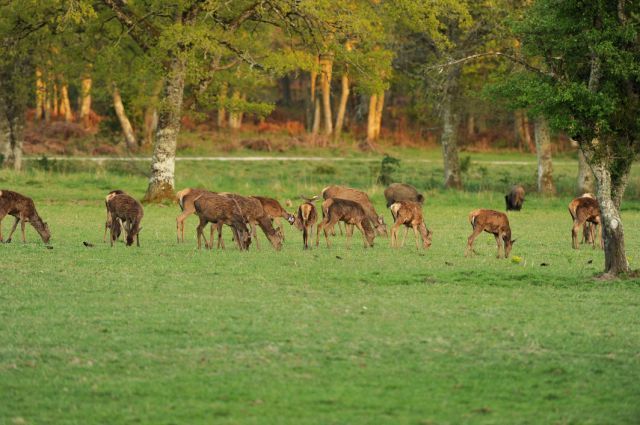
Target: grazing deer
493 222
185 199
107 223
275 212
128 211
409 213
587 210
349 212
397 192
306 218
24 211
588 229
342 192
254 214
515 198
217 209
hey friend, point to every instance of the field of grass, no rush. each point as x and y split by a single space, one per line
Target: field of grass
167 334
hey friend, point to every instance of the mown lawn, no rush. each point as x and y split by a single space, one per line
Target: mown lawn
167 334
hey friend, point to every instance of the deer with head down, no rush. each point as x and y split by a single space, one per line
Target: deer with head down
107 223
128 211
409 214
186 198
587 210
589 228
306 218
493 222
275 212
24 210
254 214
217 209
342 192
352 214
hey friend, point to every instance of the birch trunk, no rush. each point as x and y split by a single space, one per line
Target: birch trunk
326 64
585 175
342 107
127 129
378 116
371 117
65 104
222 112
163 162
609 194
85 102
543 149
449 139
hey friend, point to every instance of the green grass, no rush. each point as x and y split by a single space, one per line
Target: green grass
167 334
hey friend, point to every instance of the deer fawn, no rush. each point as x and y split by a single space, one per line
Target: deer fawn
306 219
493 222
341 192
588 229
24 210
409 213
349 212
217 209
128 211
587 210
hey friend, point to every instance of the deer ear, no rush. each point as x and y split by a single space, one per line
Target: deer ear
513 241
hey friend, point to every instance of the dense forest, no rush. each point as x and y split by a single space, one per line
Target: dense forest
536 76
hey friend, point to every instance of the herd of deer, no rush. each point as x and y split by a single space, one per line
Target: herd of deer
340 204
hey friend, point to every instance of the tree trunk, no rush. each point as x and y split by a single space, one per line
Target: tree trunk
41 90
317 114
150 123
85 102
65 104
13 135
371 117
127 129
163 162
235 116
585 175
342 108
609 194
378 116
55 112
543 149
526 133
47 102
326 64
222 112
449 138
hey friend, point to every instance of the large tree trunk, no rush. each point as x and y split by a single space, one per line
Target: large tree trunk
127 129
612 177
163 162
449 138
585 175
342 108
85 101
12 132
543 149
326 64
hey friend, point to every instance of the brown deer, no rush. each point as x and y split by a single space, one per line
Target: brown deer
409 214
217 209
275 212
588 229
107 223
587 210
515 198
128 211
185 199
254 214
493 222
349 212
397 192
24 211
342 192
306 218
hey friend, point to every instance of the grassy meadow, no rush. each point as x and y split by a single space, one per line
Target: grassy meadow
167 334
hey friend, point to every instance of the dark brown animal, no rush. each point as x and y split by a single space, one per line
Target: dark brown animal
306 218
493 222
24 211
217 209
342 192
587 210
588 229
409 214
128 211
515 198
349 212
107 223
275 212
185 199
254 214
397 192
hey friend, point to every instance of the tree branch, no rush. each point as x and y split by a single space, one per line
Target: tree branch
514 59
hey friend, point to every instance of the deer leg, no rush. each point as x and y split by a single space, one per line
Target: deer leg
22 226
498 240
1 217
470 240
348 230
364 235
415 233
404 238
13 229
574 234
394 234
